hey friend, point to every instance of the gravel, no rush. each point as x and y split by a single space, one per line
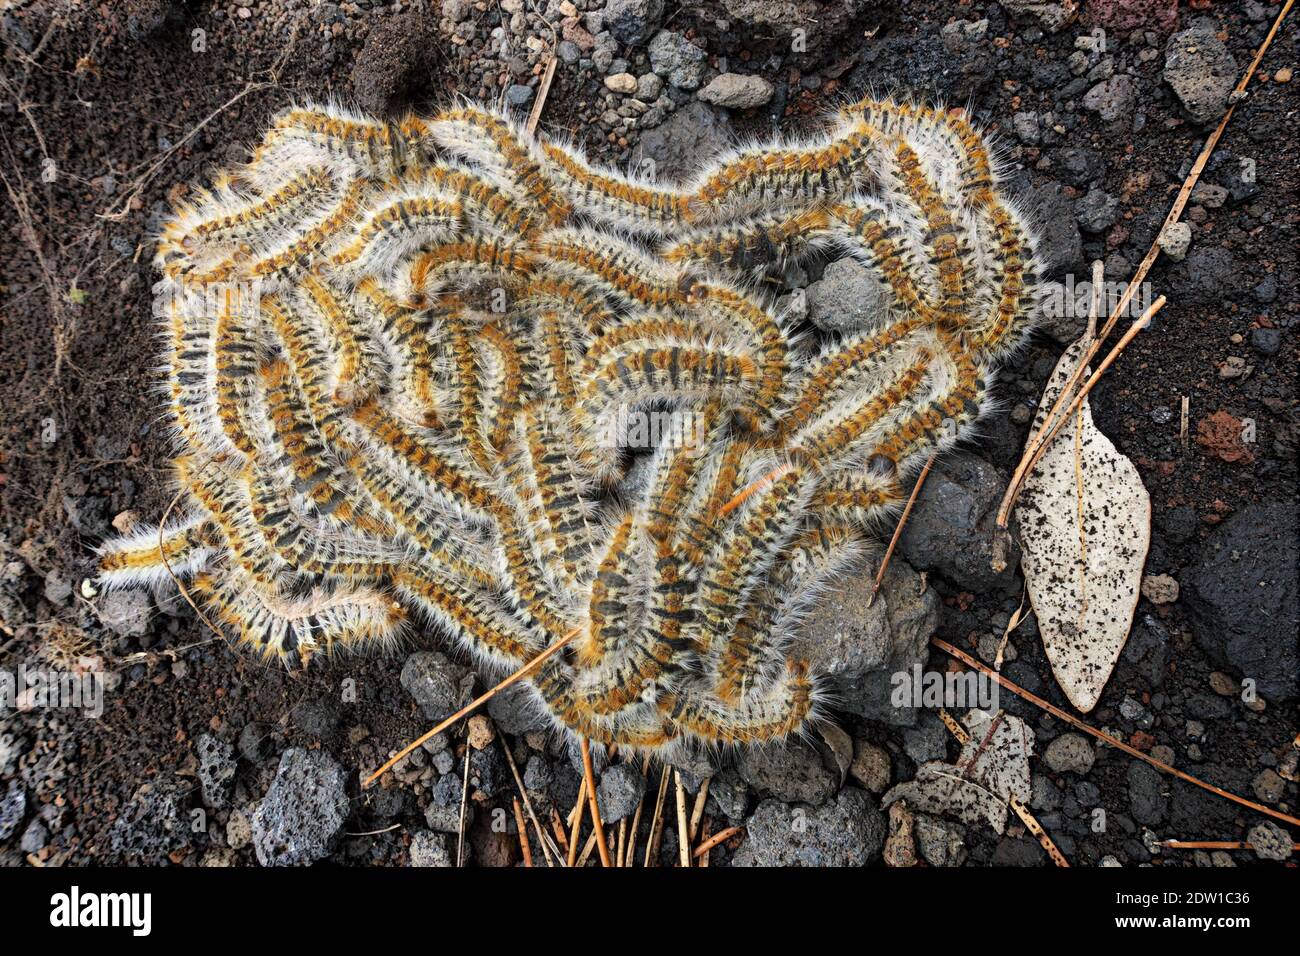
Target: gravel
676 58
1070 753
951 528
791 772
620 791
736 91
1200 70
1240 591
849 831
439 685
302 816
216 769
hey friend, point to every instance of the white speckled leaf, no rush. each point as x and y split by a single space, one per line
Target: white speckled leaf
993 766
1083 546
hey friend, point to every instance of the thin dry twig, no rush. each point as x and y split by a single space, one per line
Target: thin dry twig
596 823
697 812
683 828
1212 845
898 530
543 89
1103 736
464 802
523 833
657 821
720 837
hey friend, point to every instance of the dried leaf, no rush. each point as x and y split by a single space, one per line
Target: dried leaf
992 768
1085 526
840 745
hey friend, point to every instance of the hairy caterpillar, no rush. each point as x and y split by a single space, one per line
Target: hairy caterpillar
401 413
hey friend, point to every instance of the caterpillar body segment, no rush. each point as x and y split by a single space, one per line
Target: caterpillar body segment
414 366
143 557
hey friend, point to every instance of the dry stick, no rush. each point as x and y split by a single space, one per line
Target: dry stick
1212 845
704 833
697 812
575 822
596 823
558 826
756 485
683 828
657 821
636 817
1143 321
622 843
1102 735
543 837
464 800
523 834
720 837
474 704
1032 448
543 89
898 531
586 851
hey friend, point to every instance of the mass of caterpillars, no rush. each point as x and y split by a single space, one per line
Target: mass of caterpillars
395 349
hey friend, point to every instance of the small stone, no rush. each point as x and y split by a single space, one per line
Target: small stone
620 791
239 830
1270 841
519 95
34 837
848 297
870 766
1223 685
302 815
1283 75
737 91
900 845
791 772
429 849
850 831
125 613
1200 70
480 732
439 685
648 87
1159 589
1175 240
1147 800
216 769
632 21
1025 125
1112 99
1269 787
621 82
1266 341
941 842
675 57
1097 211
1070 753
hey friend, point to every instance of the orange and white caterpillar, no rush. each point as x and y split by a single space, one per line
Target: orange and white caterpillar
394 351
